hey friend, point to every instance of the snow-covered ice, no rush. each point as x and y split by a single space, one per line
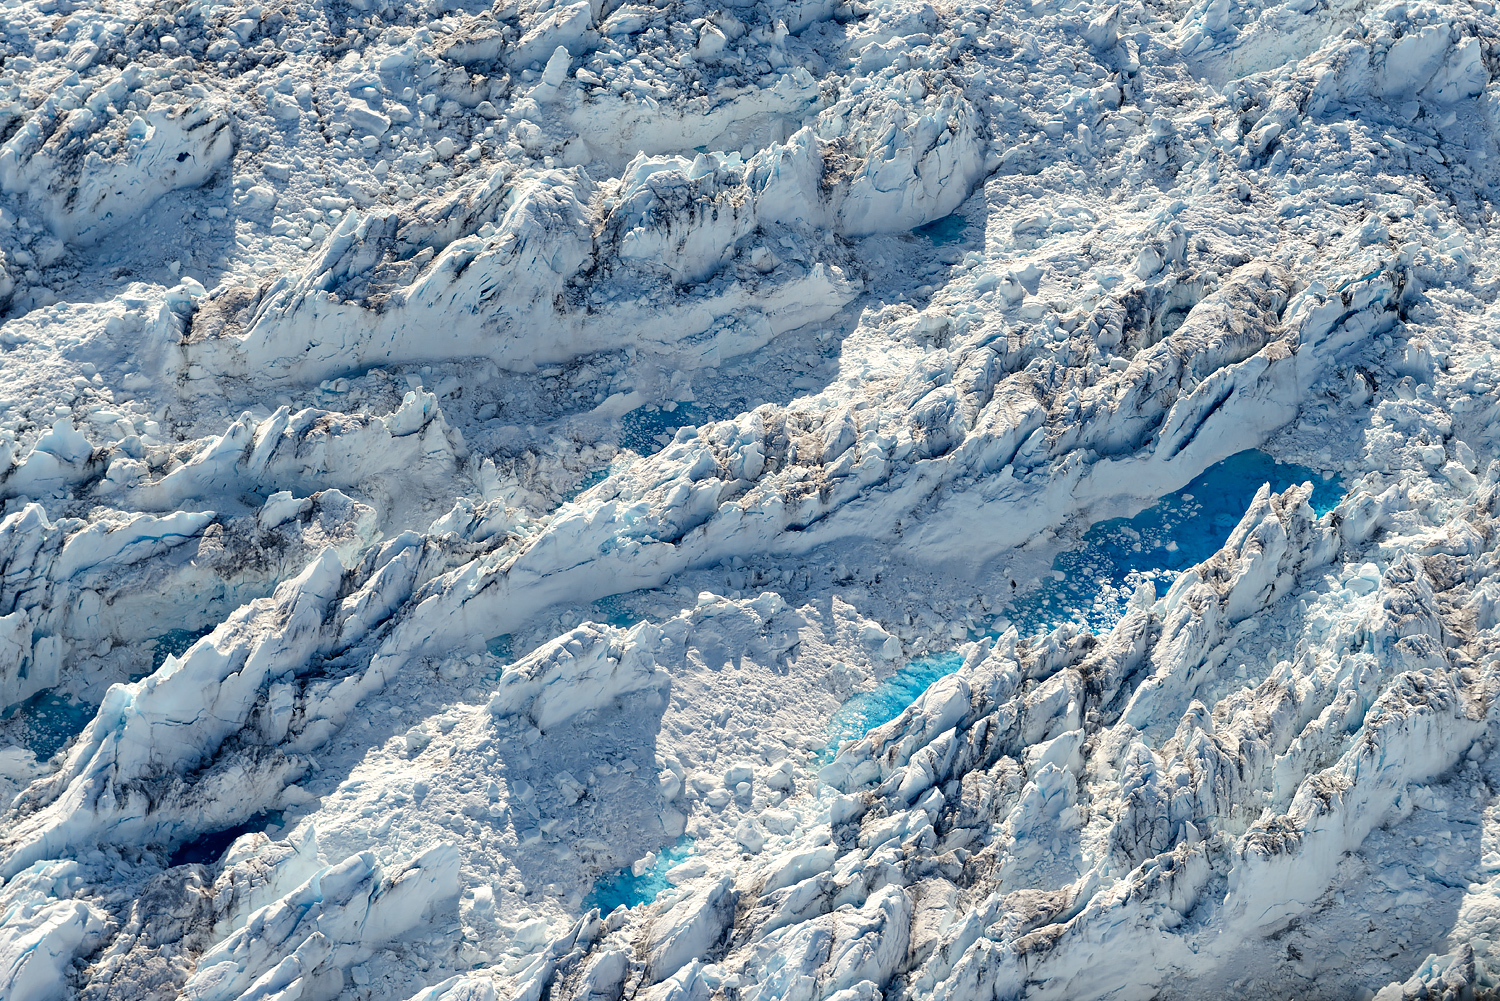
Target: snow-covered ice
797 500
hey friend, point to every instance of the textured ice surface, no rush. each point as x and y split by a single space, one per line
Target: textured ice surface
795 500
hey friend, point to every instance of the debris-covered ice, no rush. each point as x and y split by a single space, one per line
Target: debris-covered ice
796 500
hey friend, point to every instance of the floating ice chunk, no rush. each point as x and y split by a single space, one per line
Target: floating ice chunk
556 70
1365 579
750 835
686 872
65 442
415 410
61 458
572 790
740 771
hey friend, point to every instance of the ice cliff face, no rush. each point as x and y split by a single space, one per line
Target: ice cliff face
804 500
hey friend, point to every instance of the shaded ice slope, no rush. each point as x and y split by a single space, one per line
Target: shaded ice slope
467 464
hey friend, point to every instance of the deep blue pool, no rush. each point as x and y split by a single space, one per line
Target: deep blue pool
206 849
642 428
1091 584
46 722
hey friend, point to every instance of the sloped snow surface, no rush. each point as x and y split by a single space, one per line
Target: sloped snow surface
786 500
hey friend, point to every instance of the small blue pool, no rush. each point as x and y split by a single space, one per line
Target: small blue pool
942 232
623 886
614 610
867 710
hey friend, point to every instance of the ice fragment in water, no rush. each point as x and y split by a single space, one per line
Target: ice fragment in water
615 611
648 431
501 647
46 722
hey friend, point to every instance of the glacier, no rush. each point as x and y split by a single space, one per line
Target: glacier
786 500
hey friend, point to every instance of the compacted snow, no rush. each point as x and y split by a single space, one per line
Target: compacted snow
823 500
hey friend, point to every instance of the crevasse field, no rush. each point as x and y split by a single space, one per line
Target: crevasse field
787 500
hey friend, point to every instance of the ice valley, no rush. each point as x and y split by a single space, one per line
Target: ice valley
823 500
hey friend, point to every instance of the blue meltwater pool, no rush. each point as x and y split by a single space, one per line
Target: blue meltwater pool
867 710
623 886
1092 584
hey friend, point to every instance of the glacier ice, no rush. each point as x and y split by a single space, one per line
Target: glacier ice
797 499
